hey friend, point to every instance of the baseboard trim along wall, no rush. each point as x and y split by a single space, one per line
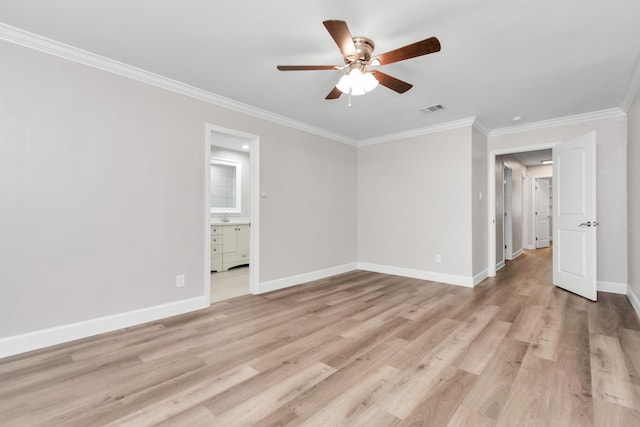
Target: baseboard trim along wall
480 277
286 282
29 341
612 287
449 279
635 302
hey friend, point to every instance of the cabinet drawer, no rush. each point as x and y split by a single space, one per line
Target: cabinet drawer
236 258
233 260
216 240
216 230
216 250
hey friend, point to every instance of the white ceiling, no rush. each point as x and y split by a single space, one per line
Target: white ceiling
534 158
539 59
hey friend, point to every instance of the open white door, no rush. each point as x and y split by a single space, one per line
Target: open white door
574 219
542 213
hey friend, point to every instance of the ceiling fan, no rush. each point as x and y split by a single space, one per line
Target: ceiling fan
357 53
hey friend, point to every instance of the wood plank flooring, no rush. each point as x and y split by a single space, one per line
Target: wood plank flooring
360 348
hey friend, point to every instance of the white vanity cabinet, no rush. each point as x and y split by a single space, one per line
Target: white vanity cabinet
216 248
229 246
235 247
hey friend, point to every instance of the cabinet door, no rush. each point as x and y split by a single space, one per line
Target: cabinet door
229 239
243 238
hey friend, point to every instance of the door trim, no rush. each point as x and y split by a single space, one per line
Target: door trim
491 196
254 244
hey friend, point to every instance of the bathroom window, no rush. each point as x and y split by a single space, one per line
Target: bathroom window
225 186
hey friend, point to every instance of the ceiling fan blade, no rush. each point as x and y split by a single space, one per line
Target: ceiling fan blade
341 35
420 48
334 94
307 67
391 82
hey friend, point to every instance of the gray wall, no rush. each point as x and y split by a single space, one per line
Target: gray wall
414 201
480 219
633 196
102 181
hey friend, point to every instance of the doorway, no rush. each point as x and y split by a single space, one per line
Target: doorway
231 213
503 225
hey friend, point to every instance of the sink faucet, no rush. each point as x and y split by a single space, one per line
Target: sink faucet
225 218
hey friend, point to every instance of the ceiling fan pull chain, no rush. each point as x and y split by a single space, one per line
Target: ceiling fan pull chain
349 105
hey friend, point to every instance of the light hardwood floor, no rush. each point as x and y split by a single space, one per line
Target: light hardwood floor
356 349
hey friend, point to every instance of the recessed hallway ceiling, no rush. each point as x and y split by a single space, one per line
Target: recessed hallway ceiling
541 60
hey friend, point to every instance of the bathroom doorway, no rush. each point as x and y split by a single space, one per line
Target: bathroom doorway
231 232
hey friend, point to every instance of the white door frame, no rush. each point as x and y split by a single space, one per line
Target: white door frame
254 243
491 195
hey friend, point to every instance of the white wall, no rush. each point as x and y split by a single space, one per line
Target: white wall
414 201
611 160
633 200
245 170
102 181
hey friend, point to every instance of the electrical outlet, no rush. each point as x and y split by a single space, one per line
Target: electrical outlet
438 259
179 280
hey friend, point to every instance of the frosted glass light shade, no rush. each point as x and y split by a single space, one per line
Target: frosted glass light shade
357 83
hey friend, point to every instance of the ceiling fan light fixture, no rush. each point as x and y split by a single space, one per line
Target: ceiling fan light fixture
355 82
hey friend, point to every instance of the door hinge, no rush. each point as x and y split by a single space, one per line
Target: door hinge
505 246
536 238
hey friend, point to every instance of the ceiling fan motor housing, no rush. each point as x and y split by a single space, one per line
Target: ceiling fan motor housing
364 48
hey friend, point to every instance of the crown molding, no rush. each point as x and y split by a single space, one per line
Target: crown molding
481 127
568 120
52 47
456 124
633 89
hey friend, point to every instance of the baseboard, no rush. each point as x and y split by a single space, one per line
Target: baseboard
517 253
633 299
500 265
480 277
29 341
612 287
449 279
286 282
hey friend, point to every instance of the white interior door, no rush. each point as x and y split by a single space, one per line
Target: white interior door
542 213
574 219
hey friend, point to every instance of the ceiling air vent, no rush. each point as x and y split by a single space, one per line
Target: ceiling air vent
431 108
